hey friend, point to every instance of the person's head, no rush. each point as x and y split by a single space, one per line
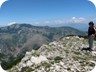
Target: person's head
91 24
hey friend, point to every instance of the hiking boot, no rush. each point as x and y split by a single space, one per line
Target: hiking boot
90 49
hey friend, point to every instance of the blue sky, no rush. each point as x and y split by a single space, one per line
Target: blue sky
47 12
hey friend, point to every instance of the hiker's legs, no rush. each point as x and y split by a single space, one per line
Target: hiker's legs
91 39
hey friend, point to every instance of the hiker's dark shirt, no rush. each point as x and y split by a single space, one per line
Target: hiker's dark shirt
91 31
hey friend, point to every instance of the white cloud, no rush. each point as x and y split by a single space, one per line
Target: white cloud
78 20
11 23
63 21
73 18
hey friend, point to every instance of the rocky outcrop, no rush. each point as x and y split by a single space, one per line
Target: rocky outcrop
64 55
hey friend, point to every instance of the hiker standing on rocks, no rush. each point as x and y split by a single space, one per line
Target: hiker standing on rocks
91 34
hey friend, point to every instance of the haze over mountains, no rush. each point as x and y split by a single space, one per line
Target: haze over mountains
16 39
79 26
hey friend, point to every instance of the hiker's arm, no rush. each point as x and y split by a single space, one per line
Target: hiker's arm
88 32
95 30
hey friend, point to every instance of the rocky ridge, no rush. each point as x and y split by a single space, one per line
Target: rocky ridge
64 55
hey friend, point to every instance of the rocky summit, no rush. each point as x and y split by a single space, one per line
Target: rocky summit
64 55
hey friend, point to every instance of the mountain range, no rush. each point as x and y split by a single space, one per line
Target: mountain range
16 39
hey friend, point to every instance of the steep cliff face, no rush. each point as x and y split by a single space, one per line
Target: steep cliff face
64 55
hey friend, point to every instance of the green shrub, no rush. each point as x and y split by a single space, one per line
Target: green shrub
58 59
46 65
